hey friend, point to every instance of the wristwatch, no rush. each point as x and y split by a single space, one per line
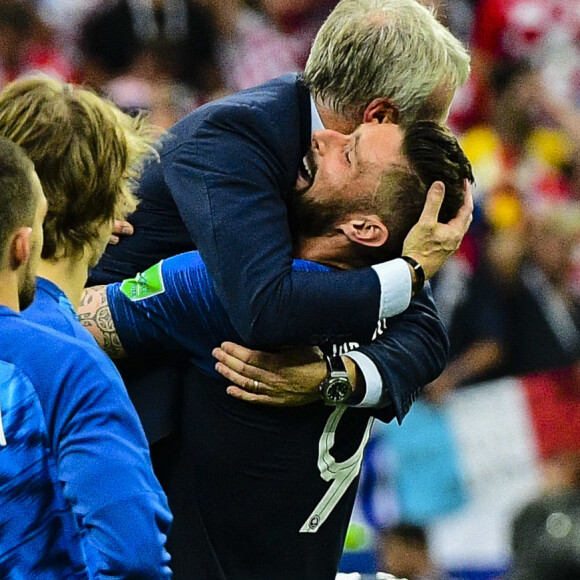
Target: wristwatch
336 387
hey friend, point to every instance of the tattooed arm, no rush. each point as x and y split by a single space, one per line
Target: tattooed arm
95 315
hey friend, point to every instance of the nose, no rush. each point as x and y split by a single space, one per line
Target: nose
326 140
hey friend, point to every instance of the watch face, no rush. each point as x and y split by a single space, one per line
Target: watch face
338 390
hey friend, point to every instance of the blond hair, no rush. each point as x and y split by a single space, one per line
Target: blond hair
87 154
393 49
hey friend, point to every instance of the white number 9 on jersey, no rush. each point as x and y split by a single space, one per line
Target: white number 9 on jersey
341 473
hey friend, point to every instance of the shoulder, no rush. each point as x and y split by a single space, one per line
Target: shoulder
48 356
162 278
70 377
273 101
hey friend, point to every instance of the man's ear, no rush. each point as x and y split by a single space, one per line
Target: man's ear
20 248
381 111
366 230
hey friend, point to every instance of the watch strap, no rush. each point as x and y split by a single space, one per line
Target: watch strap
419 280
334 364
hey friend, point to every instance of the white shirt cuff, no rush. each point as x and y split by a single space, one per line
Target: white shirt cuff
373 381
395 279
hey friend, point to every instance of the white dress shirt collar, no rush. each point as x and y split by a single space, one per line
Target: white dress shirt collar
316 121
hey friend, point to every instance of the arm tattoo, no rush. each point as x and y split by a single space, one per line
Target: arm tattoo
95 315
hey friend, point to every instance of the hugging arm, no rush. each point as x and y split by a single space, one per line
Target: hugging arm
410 353
391 371
239 223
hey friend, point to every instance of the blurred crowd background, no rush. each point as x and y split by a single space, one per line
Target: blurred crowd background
501 427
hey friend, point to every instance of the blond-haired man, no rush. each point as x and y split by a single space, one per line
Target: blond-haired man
87 154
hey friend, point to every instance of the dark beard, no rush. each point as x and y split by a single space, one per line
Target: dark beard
309 218
313 218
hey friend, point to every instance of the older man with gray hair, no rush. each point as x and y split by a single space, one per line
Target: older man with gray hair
391 54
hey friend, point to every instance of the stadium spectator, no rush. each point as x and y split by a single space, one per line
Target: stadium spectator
544 531
271 38
519 313
403 550
543 32
520 158
523 166
544 308
65 18
478 329
27 45
87 154
108 513
174 306
545 538
176 38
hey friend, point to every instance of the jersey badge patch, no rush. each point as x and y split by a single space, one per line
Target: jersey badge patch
144 285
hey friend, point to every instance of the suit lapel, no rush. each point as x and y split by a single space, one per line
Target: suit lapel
305 116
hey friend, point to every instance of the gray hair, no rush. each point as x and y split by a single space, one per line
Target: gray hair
393 49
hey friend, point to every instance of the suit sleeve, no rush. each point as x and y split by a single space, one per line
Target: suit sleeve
238 221
410 353
104 466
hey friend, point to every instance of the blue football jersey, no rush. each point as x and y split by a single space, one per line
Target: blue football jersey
78 494
271 489
38 536
53 309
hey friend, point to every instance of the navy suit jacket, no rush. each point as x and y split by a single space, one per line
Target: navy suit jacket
219 186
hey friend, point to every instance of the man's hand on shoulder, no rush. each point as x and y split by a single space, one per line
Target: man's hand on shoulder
430 242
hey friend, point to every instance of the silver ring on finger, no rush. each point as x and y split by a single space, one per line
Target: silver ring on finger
256 385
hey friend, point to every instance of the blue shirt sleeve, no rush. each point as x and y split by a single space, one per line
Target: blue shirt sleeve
104 466
173 306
